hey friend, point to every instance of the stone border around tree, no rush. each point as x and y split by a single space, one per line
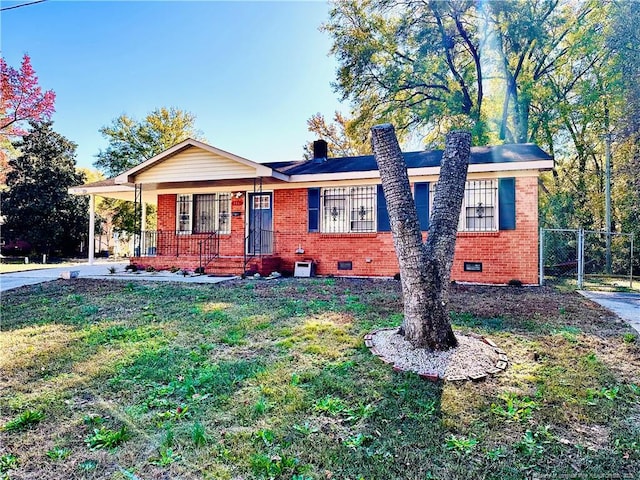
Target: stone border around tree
500 365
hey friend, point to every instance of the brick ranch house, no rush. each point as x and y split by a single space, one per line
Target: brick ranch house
228 215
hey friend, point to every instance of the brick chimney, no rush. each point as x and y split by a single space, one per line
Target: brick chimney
320 149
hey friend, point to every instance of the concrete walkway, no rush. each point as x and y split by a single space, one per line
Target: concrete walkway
99 270
625 305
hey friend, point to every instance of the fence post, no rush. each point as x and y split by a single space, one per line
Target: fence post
580 257
541 260
631 264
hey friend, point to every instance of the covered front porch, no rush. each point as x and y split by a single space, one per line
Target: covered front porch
211 253
215 211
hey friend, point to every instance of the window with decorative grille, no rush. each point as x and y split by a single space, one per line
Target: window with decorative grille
479 206
349 209
205 213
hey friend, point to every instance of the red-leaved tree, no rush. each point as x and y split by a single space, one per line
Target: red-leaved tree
21 100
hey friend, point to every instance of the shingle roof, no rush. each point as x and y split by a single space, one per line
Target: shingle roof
107 182
511 153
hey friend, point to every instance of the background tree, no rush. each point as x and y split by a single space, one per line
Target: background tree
430 65
131 142
21 100
425 269
413 63
343 140
559 73
581 100
624 42
530 41
36 206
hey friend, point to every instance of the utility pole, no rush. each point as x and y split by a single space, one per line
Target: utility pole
607 195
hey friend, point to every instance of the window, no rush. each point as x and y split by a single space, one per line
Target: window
183 213
261 202
349 209
479 206
203 213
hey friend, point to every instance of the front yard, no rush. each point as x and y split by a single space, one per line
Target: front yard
271 379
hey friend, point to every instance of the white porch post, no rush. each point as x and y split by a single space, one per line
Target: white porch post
92 228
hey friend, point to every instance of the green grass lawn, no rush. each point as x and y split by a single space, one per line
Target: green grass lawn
271 379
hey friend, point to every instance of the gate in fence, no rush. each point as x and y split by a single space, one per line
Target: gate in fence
589 258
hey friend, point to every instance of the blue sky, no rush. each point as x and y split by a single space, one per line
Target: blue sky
251 72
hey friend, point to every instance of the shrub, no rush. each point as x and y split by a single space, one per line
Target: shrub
132 267
514 282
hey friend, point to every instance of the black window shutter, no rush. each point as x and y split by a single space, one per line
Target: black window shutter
383 215
421 195
507 203
314 209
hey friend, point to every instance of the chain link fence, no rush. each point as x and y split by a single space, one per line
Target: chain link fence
586 258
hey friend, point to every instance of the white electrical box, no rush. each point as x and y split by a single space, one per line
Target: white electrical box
303 269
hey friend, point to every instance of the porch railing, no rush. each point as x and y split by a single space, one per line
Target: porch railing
209 249
205 246
173 243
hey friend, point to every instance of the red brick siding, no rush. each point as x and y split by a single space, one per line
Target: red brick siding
167 212
505 255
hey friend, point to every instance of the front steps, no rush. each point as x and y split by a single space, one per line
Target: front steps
223 265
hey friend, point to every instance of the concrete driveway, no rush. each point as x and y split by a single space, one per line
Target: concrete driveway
99 270
625 305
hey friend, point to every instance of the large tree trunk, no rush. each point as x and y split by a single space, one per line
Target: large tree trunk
425 269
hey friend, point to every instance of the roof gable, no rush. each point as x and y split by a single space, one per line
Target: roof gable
192 160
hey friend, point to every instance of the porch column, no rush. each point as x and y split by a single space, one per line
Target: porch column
143 221
92 228
143 225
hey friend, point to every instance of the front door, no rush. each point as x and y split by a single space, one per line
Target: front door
260 240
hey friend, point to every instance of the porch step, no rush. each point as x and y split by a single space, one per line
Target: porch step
227 265
235 265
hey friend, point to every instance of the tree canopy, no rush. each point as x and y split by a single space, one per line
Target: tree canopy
21 98
131 141
435 65
36 206
340 135
559 73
